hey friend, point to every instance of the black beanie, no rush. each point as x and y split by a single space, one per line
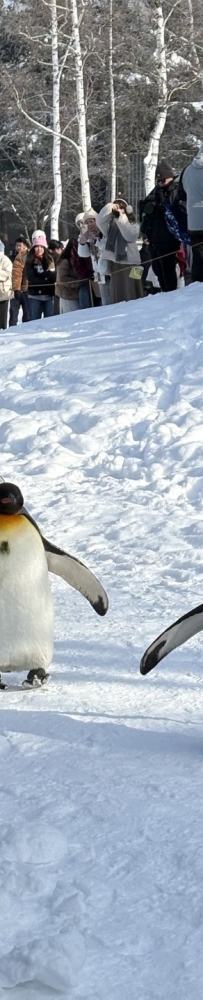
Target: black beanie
164 170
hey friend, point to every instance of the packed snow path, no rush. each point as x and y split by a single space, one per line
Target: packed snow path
101 790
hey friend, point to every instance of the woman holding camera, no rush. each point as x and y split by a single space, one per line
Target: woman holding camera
120 254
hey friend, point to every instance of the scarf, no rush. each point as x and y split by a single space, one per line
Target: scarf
115 241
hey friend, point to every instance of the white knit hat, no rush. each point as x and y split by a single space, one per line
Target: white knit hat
90 214
37 233
79 218
2 247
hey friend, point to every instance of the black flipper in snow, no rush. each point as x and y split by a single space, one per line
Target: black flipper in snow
181 630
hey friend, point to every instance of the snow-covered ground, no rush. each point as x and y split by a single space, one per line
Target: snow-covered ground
101 785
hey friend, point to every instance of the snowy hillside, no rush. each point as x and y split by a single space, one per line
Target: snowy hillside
101 800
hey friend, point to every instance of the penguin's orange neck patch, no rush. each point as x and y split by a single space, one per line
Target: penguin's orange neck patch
11 522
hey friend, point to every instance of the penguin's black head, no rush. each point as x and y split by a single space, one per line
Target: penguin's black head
11 499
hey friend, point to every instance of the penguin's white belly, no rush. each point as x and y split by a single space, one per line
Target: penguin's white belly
26 607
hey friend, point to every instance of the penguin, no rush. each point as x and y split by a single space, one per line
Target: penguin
26 607
177 633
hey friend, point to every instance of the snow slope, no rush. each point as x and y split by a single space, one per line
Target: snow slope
101 801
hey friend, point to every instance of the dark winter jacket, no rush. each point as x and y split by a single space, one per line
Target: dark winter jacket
153 221
67 283
145 257
40 274
82 266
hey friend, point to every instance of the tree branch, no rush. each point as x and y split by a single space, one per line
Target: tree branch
34 121
176 4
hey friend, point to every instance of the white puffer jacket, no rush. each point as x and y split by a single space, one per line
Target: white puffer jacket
6 291
130 232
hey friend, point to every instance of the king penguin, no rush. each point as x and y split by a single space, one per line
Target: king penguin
26 607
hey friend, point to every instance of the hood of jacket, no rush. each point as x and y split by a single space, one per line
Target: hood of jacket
198 159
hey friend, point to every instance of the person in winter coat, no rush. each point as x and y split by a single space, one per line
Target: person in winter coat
56 247
5 286
120 252
83 266
91 241
67 283
192 183
40 275
156 225
19 283
18 244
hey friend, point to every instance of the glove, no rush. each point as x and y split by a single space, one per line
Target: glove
18 296
83 238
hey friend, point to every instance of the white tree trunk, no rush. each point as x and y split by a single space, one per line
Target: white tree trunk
151 159
56 149
193 50
112 105
85 185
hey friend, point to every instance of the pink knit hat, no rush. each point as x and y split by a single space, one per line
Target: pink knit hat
40 241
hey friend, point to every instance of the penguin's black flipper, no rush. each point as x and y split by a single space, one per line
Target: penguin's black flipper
174 636
77 575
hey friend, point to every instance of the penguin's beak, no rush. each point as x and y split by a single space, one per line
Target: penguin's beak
10 504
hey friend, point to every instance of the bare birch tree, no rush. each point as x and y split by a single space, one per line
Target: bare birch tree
81 112
112 105
63 46
50 82
192 43
150 161
56 149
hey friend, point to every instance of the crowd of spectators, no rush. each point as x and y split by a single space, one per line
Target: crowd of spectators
112 257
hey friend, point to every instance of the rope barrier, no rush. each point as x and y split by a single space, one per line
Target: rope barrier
79 280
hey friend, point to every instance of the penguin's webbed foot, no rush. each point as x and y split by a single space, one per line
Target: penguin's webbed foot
35 676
